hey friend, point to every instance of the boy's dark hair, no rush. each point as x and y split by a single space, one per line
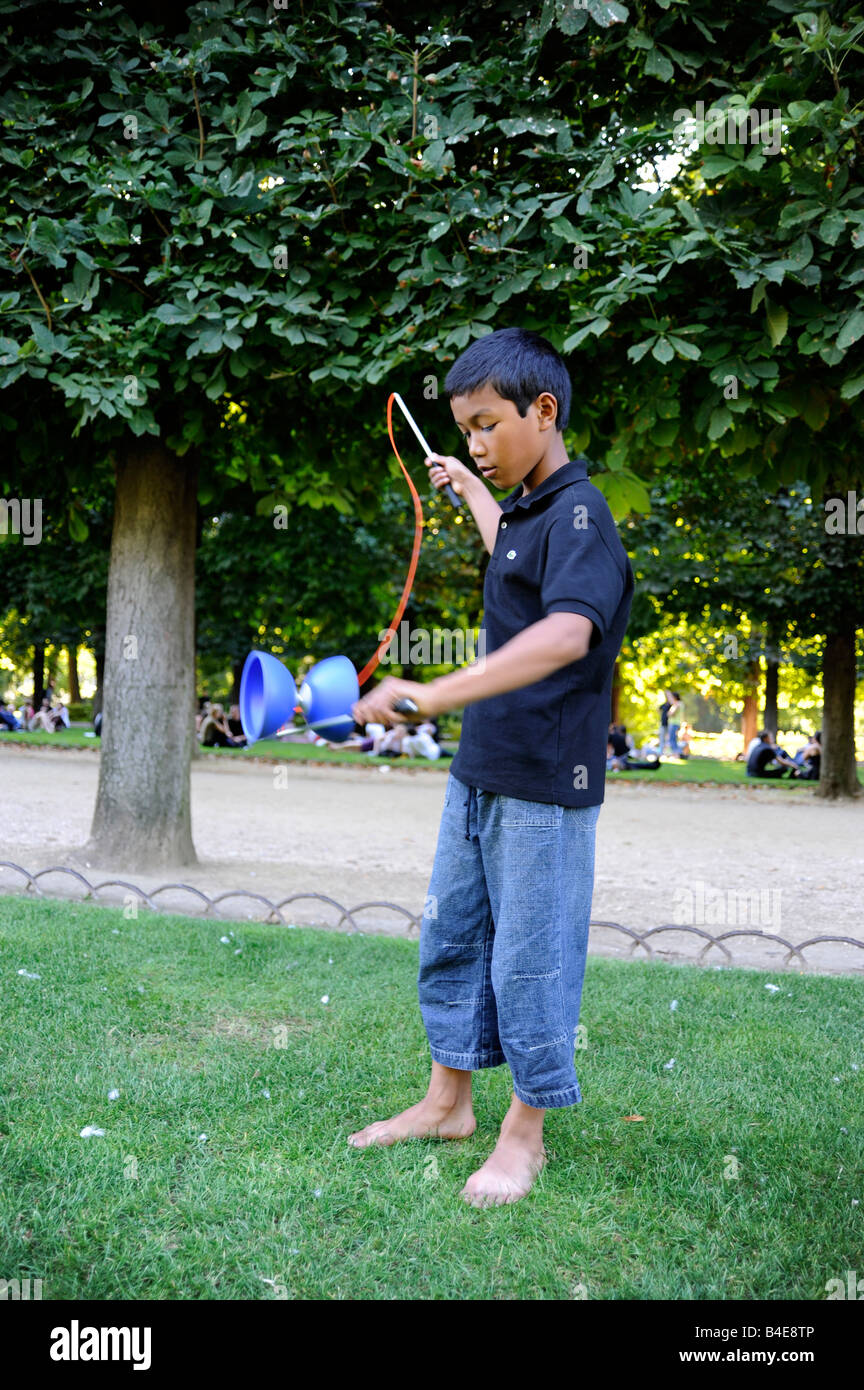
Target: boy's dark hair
517 363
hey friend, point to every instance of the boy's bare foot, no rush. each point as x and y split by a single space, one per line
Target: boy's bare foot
513 1165
429 1118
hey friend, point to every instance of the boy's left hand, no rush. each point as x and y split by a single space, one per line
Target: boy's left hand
377 705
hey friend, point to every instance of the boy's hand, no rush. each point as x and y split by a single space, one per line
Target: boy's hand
443 470
377 706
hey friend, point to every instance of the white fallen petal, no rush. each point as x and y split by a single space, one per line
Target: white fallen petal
317 1192
667 1066
329 960
91 1132
226 940
202 1138
325 998
266 1095
773 988
835 1078
673 1006
114 1095
854 1201
854 1066
115 931
28 976
238 950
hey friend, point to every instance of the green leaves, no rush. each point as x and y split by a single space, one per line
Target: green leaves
624 492
852 329
777 319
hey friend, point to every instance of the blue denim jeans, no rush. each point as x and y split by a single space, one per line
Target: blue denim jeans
504 939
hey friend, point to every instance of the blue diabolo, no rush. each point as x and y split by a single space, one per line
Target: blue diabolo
268 695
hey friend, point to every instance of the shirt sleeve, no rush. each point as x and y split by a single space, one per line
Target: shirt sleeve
581 575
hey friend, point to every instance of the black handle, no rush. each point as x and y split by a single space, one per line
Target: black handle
452 495
406 707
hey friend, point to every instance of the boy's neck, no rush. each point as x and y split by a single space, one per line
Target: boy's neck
556 458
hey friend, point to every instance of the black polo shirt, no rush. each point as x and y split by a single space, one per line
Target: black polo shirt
557 551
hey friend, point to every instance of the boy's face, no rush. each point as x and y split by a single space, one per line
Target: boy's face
504 447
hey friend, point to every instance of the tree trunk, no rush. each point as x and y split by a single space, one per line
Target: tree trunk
750 712
99 655
74 687
142 818
838 775
616 693
38 673
772 687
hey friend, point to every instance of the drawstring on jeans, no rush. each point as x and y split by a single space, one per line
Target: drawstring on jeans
468 814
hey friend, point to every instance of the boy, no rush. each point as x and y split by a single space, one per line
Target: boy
503 943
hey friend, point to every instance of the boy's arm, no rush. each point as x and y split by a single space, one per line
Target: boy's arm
443 470
530 656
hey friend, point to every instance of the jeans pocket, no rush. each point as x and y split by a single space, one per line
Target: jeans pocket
455 792
515 812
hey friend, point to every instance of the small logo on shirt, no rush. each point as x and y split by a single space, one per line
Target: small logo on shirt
511 554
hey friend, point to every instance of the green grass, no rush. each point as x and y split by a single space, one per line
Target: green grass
269 750
703 771
190 1034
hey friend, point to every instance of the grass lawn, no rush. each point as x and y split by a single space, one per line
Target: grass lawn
203 1040
704 771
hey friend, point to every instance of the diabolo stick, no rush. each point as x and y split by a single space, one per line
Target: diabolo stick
452 495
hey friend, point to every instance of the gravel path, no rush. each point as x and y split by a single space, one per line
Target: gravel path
363 833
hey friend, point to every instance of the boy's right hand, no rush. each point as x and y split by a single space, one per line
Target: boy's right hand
444 469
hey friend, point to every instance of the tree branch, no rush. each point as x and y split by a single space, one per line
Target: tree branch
39 292
198 114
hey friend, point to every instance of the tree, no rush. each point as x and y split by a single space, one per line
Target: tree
766 561
228 223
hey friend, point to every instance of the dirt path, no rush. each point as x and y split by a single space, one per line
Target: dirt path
359 834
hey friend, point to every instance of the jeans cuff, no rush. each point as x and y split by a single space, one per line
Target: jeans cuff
467 1061
548 1100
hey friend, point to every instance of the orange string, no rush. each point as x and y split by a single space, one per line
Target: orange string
415 553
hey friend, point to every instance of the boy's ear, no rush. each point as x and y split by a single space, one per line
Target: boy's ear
547 408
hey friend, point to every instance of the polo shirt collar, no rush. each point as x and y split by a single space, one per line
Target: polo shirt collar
569 472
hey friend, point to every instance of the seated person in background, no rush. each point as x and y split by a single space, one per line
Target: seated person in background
385 742
809 758
765 752
203 711
423 743
7 719
745 756
214 732
685 738
235 726
46 718
618 752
